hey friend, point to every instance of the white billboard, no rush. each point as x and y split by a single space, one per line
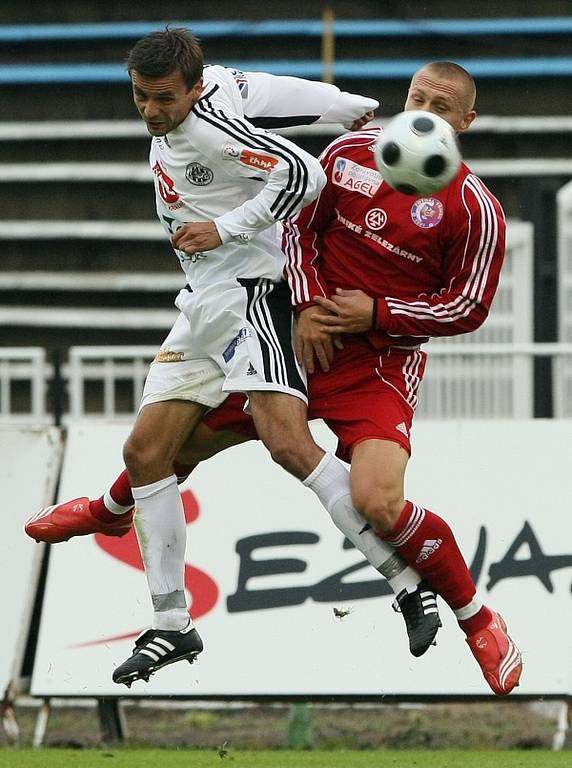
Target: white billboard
29 466
266 568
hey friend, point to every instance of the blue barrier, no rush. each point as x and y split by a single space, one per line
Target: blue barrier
542 25
355 69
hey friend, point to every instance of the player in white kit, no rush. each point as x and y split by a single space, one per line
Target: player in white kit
222 187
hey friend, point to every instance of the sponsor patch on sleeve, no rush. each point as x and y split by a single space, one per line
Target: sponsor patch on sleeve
256 160
241 81
230 151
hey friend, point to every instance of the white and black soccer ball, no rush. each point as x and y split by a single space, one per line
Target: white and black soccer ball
417 153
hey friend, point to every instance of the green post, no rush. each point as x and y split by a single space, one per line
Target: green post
300 726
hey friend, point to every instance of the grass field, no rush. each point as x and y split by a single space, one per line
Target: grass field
504 726
153 758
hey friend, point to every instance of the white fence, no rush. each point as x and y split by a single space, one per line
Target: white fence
107 368
24 375
463 383
486 374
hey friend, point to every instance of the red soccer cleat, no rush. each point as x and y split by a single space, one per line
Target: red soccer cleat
497 656
61 522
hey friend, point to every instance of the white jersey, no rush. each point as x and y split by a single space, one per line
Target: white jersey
219 165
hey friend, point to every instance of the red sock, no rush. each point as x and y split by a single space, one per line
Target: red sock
477 622
182 471
427 543
120 492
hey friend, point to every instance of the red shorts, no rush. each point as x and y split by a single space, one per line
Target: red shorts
366 395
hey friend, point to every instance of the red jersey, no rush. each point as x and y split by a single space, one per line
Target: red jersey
433 263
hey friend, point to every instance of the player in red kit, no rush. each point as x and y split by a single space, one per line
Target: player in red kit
384 272
381 272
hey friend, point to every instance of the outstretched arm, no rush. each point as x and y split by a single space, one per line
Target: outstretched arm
271 101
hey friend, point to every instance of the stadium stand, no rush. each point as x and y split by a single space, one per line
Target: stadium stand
67 101
54 58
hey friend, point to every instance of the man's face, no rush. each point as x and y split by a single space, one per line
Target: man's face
442 96
163 102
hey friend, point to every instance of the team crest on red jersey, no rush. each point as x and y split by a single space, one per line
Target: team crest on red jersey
427 212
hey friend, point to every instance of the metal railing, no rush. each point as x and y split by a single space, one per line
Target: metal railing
478 380
24 376
118 374
462 384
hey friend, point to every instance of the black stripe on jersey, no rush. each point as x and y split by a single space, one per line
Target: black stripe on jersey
208 94
240 131
289 202
285 203
282 122
269 311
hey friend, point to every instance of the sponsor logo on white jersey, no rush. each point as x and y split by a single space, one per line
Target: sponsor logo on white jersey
241 81
257 160
166 187
191 258
241 336
229 150
166 355
358 178
430 546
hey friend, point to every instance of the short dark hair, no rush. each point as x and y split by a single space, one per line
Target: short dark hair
161 53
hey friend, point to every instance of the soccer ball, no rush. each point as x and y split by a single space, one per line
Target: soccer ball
417 153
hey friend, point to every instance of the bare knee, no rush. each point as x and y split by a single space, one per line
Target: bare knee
381 508
292 452
145 460
286 452
281 424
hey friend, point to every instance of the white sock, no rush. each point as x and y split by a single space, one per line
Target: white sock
162 535
471 609
330 481
113 506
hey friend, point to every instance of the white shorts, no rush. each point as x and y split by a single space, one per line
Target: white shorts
235 336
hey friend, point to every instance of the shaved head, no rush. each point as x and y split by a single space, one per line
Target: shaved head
446 89
448 70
